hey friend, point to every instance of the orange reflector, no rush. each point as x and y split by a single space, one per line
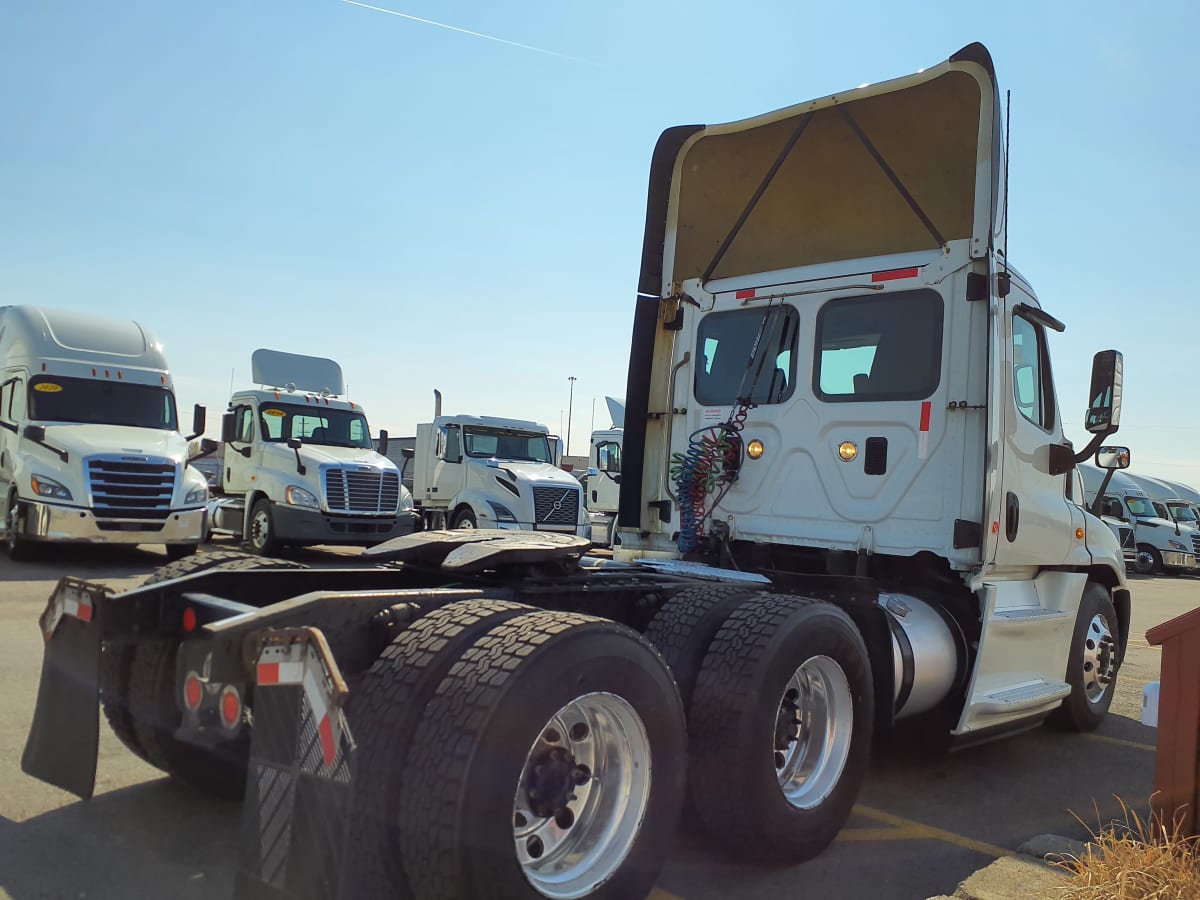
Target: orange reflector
119 374
93 373
106 373
231 706
193 691
189 619
1079 533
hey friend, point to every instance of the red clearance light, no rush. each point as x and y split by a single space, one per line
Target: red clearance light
193 691
93 373
119 375
745 294
231 707
895 274
189 619
43 367
106 373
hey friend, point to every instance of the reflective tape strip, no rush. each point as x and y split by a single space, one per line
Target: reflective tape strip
300 664
923 439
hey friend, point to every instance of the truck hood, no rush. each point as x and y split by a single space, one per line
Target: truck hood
320 455
541 473
89 440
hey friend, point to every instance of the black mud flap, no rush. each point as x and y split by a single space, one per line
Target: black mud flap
296 816
65 734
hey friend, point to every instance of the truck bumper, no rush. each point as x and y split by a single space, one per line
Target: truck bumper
310 526
72 524
1178 560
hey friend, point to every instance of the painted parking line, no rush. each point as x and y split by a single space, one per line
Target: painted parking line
1121 742
902 829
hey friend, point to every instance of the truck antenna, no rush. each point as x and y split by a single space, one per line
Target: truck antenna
231 373
1007 141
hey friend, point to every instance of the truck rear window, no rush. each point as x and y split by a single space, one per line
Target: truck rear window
876 348
747 355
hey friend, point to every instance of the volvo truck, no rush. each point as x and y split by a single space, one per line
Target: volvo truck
300 467
844 503
492 472
90 445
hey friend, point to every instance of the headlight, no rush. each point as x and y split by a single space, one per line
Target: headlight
196 495
502 512
48 487
1178 546
298 496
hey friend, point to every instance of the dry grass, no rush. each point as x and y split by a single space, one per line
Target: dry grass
1135 860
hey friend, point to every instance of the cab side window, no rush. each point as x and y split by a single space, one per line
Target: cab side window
8 412
245 430
1033 388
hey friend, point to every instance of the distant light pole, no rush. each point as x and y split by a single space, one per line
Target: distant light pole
570 404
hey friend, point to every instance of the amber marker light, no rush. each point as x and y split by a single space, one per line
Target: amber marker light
847 450
1079 533
754 449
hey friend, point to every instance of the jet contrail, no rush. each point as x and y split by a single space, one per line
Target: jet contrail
486 37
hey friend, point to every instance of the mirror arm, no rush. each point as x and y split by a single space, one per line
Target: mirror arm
1093 445
1095 510
300 469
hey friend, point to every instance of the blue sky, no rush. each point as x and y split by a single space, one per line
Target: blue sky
435 209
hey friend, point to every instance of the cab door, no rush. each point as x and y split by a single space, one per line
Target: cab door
11 410
1033 522
240 460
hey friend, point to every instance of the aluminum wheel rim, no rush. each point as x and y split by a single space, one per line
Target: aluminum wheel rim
609 763
260 529
465 524
1099 658
812 732
10 526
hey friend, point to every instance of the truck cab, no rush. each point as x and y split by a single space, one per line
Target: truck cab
1163 545
90 444
492 472
300 466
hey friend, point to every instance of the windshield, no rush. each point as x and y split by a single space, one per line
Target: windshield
503 444
1182 512
326 427
101 402
1140 506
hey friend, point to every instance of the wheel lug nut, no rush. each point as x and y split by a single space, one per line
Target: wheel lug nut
579 731
551 736
564 818
519 821
534 847
779 760
582 775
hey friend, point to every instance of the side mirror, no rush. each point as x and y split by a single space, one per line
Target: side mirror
294 443
1104 409
35 433
383 443
207 446
407 452
199 419
1112 458
228 428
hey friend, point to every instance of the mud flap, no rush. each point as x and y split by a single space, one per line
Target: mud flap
65 734
296 816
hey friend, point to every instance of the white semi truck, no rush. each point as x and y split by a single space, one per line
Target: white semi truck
602 489
90 446
491 472
1163 546
300 466
844 502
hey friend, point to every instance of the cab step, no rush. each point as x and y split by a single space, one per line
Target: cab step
1019 698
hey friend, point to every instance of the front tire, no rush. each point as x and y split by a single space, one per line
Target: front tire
780 728
19 549
545 766
261 533
1093 664
465 519
1149 561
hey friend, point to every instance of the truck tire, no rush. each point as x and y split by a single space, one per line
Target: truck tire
506 790
1093 664
219 771
116 661
383 711
1143 563
19 549
797 669
685 626
464 518
260 536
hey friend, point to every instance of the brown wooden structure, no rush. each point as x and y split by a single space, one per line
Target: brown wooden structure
1177 768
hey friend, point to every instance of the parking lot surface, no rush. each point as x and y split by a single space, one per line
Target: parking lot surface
925 820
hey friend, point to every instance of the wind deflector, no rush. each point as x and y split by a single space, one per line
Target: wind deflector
902 166
276 368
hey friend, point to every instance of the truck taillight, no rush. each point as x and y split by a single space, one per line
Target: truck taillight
193 691
231 707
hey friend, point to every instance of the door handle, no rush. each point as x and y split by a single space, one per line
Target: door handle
1012 516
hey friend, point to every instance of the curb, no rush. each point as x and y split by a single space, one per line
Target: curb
1028 873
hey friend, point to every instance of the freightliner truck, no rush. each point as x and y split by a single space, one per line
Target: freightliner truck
844 503
90 446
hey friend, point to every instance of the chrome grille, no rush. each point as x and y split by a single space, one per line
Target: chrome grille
131 488
362 490
1196 542
555 506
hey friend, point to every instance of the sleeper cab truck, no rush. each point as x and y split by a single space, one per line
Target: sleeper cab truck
1163 547
300 466
90 446
844 503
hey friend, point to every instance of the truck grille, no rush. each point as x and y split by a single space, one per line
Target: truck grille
555 506
362 491
1196 542
123 488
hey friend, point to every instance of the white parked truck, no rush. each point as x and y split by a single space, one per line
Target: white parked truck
602 489
844 502
90 446
1162 544
491 472
300 466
